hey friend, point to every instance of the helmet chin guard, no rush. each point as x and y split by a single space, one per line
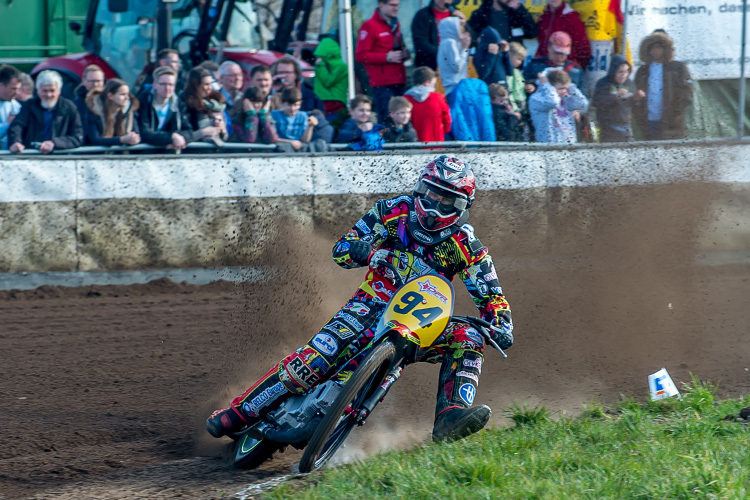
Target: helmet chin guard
425 237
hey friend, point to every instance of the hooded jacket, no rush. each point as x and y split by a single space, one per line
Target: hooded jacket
471 110
491 68
331 73
376 39
96 117
564 18
613 112
520 23
678 89
430 115
552 116
453 59
28 127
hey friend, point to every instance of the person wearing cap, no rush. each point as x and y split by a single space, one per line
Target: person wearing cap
559 50
559 16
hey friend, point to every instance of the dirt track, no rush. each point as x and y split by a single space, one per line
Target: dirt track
104 389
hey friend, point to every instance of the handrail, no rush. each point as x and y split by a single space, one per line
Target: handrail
240 147
143 148
258 147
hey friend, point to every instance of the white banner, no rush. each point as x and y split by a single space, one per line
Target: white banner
706 33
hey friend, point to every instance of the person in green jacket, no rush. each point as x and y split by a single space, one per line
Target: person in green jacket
331 78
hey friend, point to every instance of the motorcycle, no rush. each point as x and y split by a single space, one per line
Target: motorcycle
320 420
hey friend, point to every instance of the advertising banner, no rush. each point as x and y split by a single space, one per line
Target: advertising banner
707 33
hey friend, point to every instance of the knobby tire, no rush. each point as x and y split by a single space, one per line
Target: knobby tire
372 366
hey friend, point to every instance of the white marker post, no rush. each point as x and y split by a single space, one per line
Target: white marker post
661 386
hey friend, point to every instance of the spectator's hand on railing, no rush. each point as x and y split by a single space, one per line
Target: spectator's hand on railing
131 138
47 147
297 145
210 131
178 142
17 147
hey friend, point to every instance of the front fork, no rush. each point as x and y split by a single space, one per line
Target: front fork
379 394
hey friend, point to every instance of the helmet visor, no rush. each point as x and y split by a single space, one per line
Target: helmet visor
442 202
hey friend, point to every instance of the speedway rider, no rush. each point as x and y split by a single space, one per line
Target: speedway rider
430 224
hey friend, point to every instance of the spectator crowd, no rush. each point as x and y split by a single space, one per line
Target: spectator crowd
472 80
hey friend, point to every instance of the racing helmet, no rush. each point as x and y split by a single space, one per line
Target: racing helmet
443 194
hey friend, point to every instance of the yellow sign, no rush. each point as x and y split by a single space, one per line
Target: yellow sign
601 24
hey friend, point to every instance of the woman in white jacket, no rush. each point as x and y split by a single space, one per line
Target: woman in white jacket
453 52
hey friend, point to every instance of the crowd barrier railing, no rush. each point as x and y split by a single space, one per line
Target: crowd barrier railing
199 147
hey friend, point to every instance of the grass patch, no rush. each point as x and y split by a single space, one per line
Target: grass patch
667 449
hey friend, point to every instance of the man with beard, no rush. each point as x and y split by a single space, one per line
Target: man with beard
48 121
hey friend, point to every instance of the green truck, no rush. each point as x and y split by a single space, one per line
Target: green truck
34 30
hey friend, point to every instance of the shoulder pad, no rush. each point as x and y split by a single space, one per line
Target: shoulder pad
472 241
392 202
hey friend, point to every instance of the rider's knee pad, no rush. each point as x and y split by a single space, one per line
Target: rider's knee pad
303 369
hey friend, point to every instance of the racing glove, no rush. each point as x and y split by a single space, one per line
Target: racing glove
504 337
360 251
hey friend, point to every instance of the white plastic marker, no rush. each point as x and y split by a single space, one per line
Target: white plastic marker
661 386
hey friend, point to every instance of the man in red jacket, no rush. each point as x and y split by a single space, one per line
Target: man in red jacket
381 49
430 115
559 16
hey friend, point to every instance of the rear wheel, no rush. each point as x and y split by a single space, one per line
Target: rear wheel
249 452
340 418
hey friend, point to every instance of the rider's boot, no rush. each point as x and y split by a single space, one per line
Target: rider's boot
456 423
457 386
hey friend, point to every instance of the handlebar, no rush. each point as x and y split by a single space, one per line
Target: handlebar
376 261
482 326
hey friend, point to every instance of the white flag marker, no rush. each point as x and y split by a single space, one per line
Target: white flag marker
661 386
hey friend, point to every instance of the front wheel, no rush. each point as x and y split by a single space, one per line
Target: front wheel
341 416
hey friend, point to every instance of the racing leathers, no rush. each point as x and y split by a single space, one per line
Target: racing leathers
343 339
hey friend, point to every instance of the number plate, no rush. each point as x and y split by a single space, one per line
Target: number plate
423 305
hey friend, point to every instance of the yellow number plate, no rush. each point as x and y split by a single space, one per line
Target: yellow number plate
423 305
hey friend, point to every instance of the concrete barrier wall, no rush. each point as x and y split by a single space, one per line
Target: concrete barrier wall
130 212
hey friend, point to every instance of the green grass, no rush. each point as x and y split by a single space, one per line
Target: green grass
668 449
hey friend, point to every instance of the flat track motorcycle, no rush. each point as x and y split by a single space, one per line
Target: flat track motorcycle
321 419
